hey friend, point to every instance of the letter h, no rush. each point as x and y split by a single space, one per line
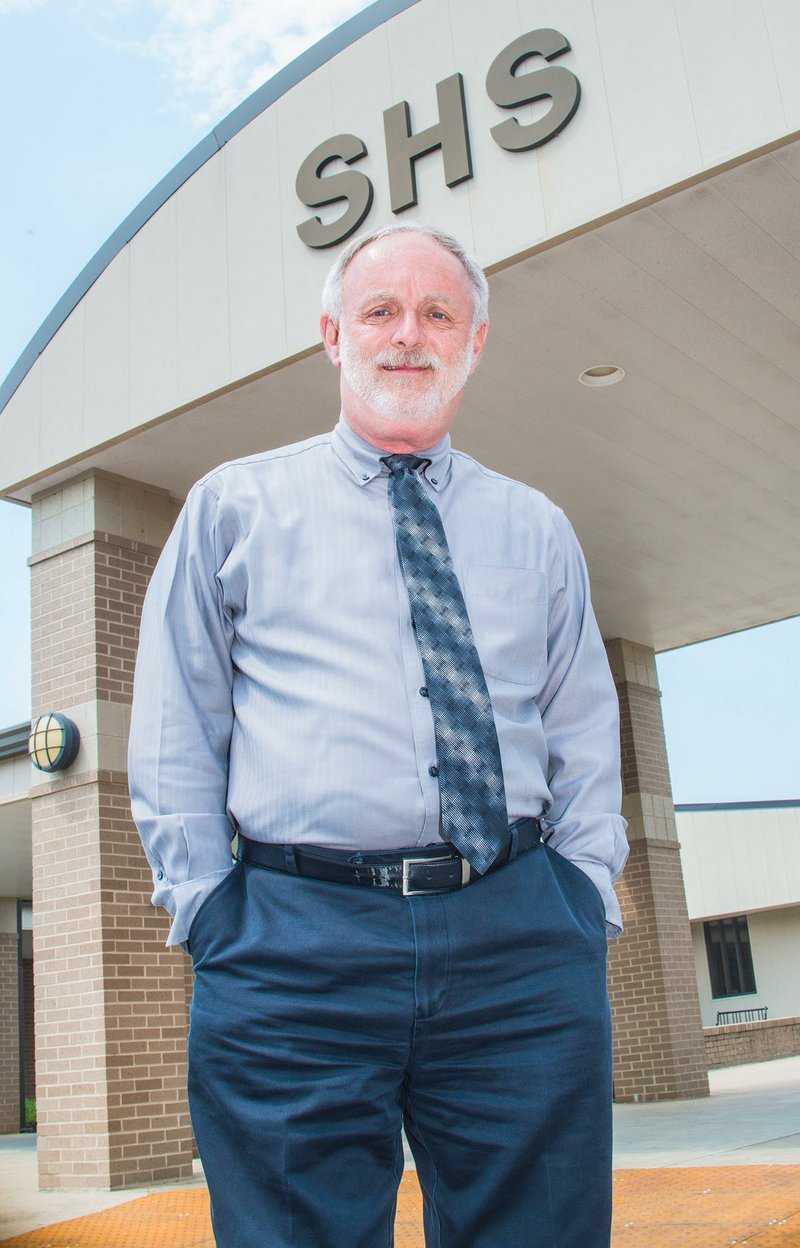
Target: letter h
450 134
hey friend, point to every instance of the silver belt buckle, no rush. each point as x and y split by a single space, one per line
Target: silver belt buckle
466 873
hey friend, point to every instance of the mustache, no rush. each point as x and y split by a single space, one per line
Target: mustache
406 359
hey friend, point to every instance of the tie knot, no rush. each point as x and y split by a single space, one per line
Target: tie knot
397 464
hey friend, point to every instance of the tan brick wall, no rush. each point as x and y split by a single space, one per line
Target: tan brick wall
738 1043
644 757
658 1049
122 573
658 1045
110 999
62 629
9 1034
146 1025
86 600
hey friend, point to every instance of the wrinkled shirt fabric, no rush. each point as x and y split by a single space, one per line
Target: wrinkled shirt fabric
278 678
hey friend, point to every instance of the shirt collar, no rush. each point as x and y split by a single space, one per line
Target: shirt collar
364 460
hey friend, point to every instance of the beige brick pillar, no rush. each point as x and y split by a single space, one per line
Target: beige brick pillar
27 1030
9 1018
110 999
658 1041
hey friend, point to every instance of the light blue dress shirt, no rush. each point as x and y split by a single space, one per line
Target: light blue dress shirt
278 679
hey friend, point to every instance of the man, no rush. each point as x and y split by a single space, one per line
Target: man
377 662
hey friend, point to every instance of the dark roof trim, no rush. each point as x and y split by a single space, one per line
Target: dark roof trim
14 741
330 46
778 804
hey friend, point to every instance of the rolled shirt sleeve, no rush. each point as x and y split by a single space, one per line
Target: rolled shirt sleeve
182 715
580 717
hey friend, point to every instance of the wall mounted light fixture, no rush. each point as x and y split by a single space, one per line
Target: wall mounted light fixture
54 742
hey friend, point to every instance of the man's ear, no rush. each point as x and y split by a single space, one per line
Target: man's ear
478 344
330 337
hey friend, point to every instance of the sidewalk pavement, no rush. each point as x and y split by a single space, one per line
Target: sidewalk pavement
672 1187
751 1118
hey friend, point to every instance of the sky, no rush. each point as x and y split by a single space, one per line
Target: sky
100 99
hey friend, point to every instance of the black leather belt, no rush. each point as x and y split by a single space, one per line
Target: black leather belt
412 872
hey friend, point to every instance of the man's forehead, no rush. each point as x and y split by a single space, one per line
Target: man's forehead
381 268
388 250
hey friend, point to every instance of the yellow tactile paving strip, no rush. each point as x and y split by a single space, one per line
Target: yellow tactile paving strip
720 1207
714 1207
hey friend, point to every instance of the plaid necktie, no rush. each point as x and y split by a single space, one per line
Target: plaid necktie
471 790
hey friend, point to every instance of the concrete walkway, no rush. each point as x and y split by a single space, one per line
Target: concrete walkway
23 1207
752 1118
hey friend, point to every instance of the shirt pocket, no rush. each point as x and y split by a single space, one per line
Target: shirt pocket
507 609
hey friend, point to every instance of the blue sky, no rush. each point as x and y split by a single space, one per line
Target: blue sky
101 98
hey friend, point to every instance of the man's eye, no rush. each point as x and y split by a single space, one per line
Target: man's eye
437 315
379 312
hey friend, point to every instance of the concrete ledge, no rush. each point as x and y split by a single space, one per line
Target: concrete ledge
738 1043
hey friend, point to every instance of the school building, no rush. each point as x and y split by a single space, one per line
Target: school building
628 176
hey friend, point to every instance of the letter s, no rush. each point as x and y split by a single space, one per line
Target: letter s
507 90
314 190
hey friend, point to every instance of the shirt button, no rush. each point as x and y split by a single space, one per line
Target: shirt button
159 875
434 480
433 770
365 476
423 693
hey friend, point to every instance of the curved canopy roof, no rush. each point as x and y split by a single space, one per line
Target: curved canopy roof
656 230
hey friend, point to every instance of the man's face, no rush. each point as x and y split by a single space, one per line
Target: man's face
399 384
406 344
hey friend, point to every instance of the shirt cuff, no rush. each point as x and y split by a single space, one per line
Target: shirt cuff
597 845
185 900
599 874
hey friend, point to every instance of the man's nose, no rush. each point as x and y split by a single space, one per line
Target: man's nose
408 330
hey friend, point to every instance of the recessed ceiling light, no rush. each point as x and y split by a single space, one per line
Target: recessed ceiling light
601 375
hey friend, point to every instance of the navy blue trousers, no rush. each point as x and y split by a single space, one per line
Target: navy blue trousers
325 1017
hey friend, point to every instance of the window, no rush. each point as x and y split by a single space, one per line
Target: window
730 962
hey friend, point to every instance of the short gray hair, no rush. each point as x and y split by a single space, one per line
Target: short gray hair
332 290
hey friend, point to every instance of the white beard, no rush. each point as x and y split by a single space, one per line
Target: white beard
396 397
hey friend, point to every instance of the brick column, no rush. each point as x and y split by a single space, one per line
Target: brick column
9 1017
28 1036
110 999
659 1051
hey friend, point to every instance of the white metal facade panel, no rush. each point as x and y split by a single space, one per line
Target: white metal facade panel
154 317
255 246
655 140
732 77
783 29
106 396
21 428
737 861
202 283
63 385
